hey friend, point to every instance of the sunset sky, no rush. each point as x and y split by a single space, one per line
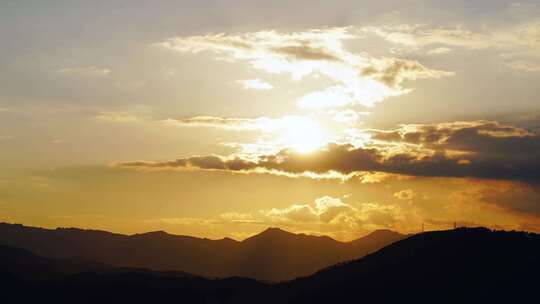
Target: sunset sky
219 118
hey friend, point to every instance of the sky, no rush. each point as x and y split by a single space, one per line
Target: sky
219 118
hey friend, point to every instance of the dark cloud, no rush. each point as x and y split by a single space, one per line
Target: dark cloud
488 138
306 52
395 70
198 162
463 149
520 198
217 122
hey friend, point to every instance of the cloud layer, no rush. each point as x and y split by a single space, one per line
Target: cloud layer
481 149
330 214
359 78
518 45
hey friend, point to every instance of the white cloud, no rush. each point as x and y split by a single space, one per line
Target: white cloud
406 194
332 211
90 70
336 96
314 52
523 65
255 84
439 51
519 42
265 124
347 117
117 117
301 133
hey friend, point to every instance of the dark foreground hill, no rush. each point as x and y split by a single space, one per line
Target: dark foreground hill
272 255
456 266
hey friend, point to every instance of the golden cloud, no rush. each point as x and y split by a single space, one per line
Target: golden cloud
359 78
482 149
519 44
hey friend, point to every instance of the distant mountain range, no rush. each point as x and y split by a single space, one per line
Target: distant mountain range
273 255
466 265
29 278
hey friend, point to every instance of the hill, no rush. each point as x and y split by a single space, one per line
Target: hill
28 278
272 255
457 266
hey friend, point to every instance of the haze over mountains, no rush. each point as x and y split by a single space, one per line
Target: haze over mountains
466 265
272 255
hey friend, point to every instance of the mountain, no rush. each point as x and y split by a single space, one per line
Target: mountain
472 265
27 265
272 255
28 278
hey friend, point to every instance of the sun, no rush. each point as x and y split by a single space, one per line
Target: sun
303 135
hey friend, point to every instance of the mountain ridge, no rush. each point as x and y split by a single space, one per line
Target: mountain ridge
465 265
272 255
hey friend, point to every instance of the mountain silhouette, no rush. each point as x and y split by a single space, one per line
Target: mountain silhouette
28 278
472 265
466 265
272 255
27 265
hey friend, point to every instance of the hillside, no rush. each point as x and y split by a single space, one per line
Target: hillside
272 255
457 266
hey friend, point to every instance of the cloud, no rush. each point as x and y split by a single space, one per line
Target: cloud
299 213
392 72
347 117
329 208
187 221
439 51
409 195
481 149
523 65
333 211
117 117
464 136
326 209
265 124
518 45
406 194
89 71
242 218
358 78
304 51
370 177
219 122
325 215
302 133
255 84
336 96
510 196
419 36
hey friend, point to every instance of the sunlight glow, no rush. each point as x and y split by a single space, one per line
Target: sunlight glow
303 134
